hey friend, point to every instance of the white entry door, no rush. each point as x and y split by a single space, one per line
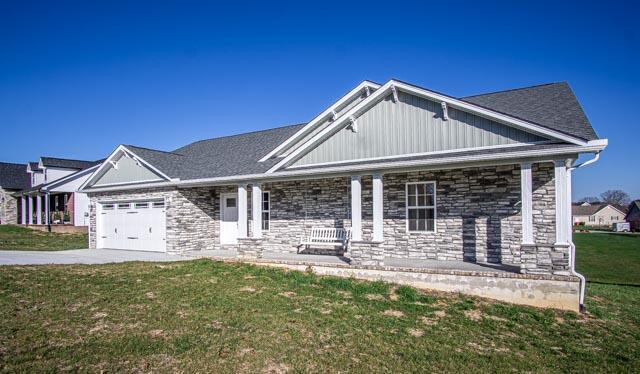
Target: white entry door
229 218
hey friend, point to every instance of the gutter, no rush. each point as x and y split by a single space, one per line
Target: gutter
572 246
440 163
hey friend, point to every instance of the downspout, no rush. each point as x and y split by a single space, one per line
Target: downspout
572 250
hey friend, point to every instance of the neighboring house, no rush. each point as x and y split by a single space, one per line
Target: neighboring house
597 214
633 216
13 178
415 175
54 199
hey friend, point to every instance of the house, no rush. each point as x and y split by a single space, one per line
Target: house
597 214
633 216
422 181
52 197
13 178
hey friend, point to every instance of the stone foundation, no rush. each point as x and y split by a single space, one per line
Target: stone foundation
545 291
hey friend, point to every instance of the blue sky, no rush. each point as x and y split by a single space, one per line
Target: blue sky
77 79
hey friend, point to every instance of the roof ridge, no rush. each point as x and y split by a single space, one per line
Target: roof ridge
513 89
154 150
65 159
12 163
244 133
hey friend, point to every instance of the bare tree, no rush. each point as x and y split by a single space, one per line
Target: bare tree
617 197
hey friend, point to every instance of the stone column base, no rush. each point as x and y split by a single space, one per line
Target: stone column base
366 253
250 247
544 259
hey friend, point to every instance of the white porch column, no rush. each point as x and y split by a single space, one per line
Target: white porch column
30 213
242 211
562 203
23 208
39 209
256 210
527 203
47 210
356 208
378 235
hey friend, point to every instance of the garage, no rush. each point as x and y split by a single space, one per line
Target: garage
134 225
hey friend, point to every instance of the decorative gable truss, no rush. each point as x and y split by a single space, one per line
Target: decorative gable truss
124 167
402 120
324 119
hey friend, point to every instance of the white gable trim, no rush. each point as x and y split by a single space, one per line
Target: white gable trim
110 159
365 86
390 86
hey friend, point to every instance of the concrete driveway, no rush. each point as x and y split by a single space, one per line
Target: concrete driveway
82 256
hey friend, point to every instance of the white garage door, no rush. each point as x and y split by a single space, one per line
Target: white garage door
136 225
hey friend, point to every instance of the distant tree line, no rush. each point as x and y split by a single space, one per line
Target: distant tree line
614 197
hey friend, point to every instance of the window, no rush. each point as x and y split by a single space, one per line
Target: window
231 202
124 206
107 206
592 218
266 210
614 218
158 204
141 205
421 206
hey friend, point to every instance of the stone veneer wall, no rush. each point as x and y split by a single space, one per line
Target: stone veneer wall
478 216
190 215
8 207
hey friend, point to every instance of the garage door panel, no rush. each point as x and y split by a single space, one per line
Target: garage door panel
133 225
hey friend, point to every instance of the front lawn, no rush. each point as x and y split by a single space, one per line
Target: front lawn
206 316
608 258
24 239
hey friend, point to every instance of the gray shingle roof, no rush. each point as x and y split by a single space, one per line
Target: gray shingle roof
219 157
67 163
14 176
552 105
34 165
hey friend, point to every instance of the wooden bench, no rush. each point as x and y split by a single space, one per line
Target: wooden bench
331 237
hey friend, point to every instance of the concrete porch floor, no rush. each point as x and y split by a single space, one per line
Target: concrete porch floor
340 260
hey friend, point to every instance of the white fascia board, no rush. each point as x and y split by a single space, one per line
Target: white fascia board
454 162
106 163
329 111
68 178
453 102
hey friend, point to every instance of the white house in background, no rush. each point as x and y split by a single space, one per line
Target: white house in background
53 197
596 214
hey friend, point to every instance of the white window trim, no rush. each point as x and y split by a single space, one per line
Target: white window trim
268 211
434 206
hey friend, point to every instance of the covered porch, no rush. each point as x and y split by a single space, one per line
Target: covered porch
46 208
511 218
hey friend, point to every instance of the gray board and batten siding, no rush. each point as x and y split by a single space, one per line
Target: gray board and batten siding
413 125
128 171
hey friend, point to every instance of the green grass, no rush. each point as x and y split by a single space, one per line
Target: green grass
608 258
206 316
21 238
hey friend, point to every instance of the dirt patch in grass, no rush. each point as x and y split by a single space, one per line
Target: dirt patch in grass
393 313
